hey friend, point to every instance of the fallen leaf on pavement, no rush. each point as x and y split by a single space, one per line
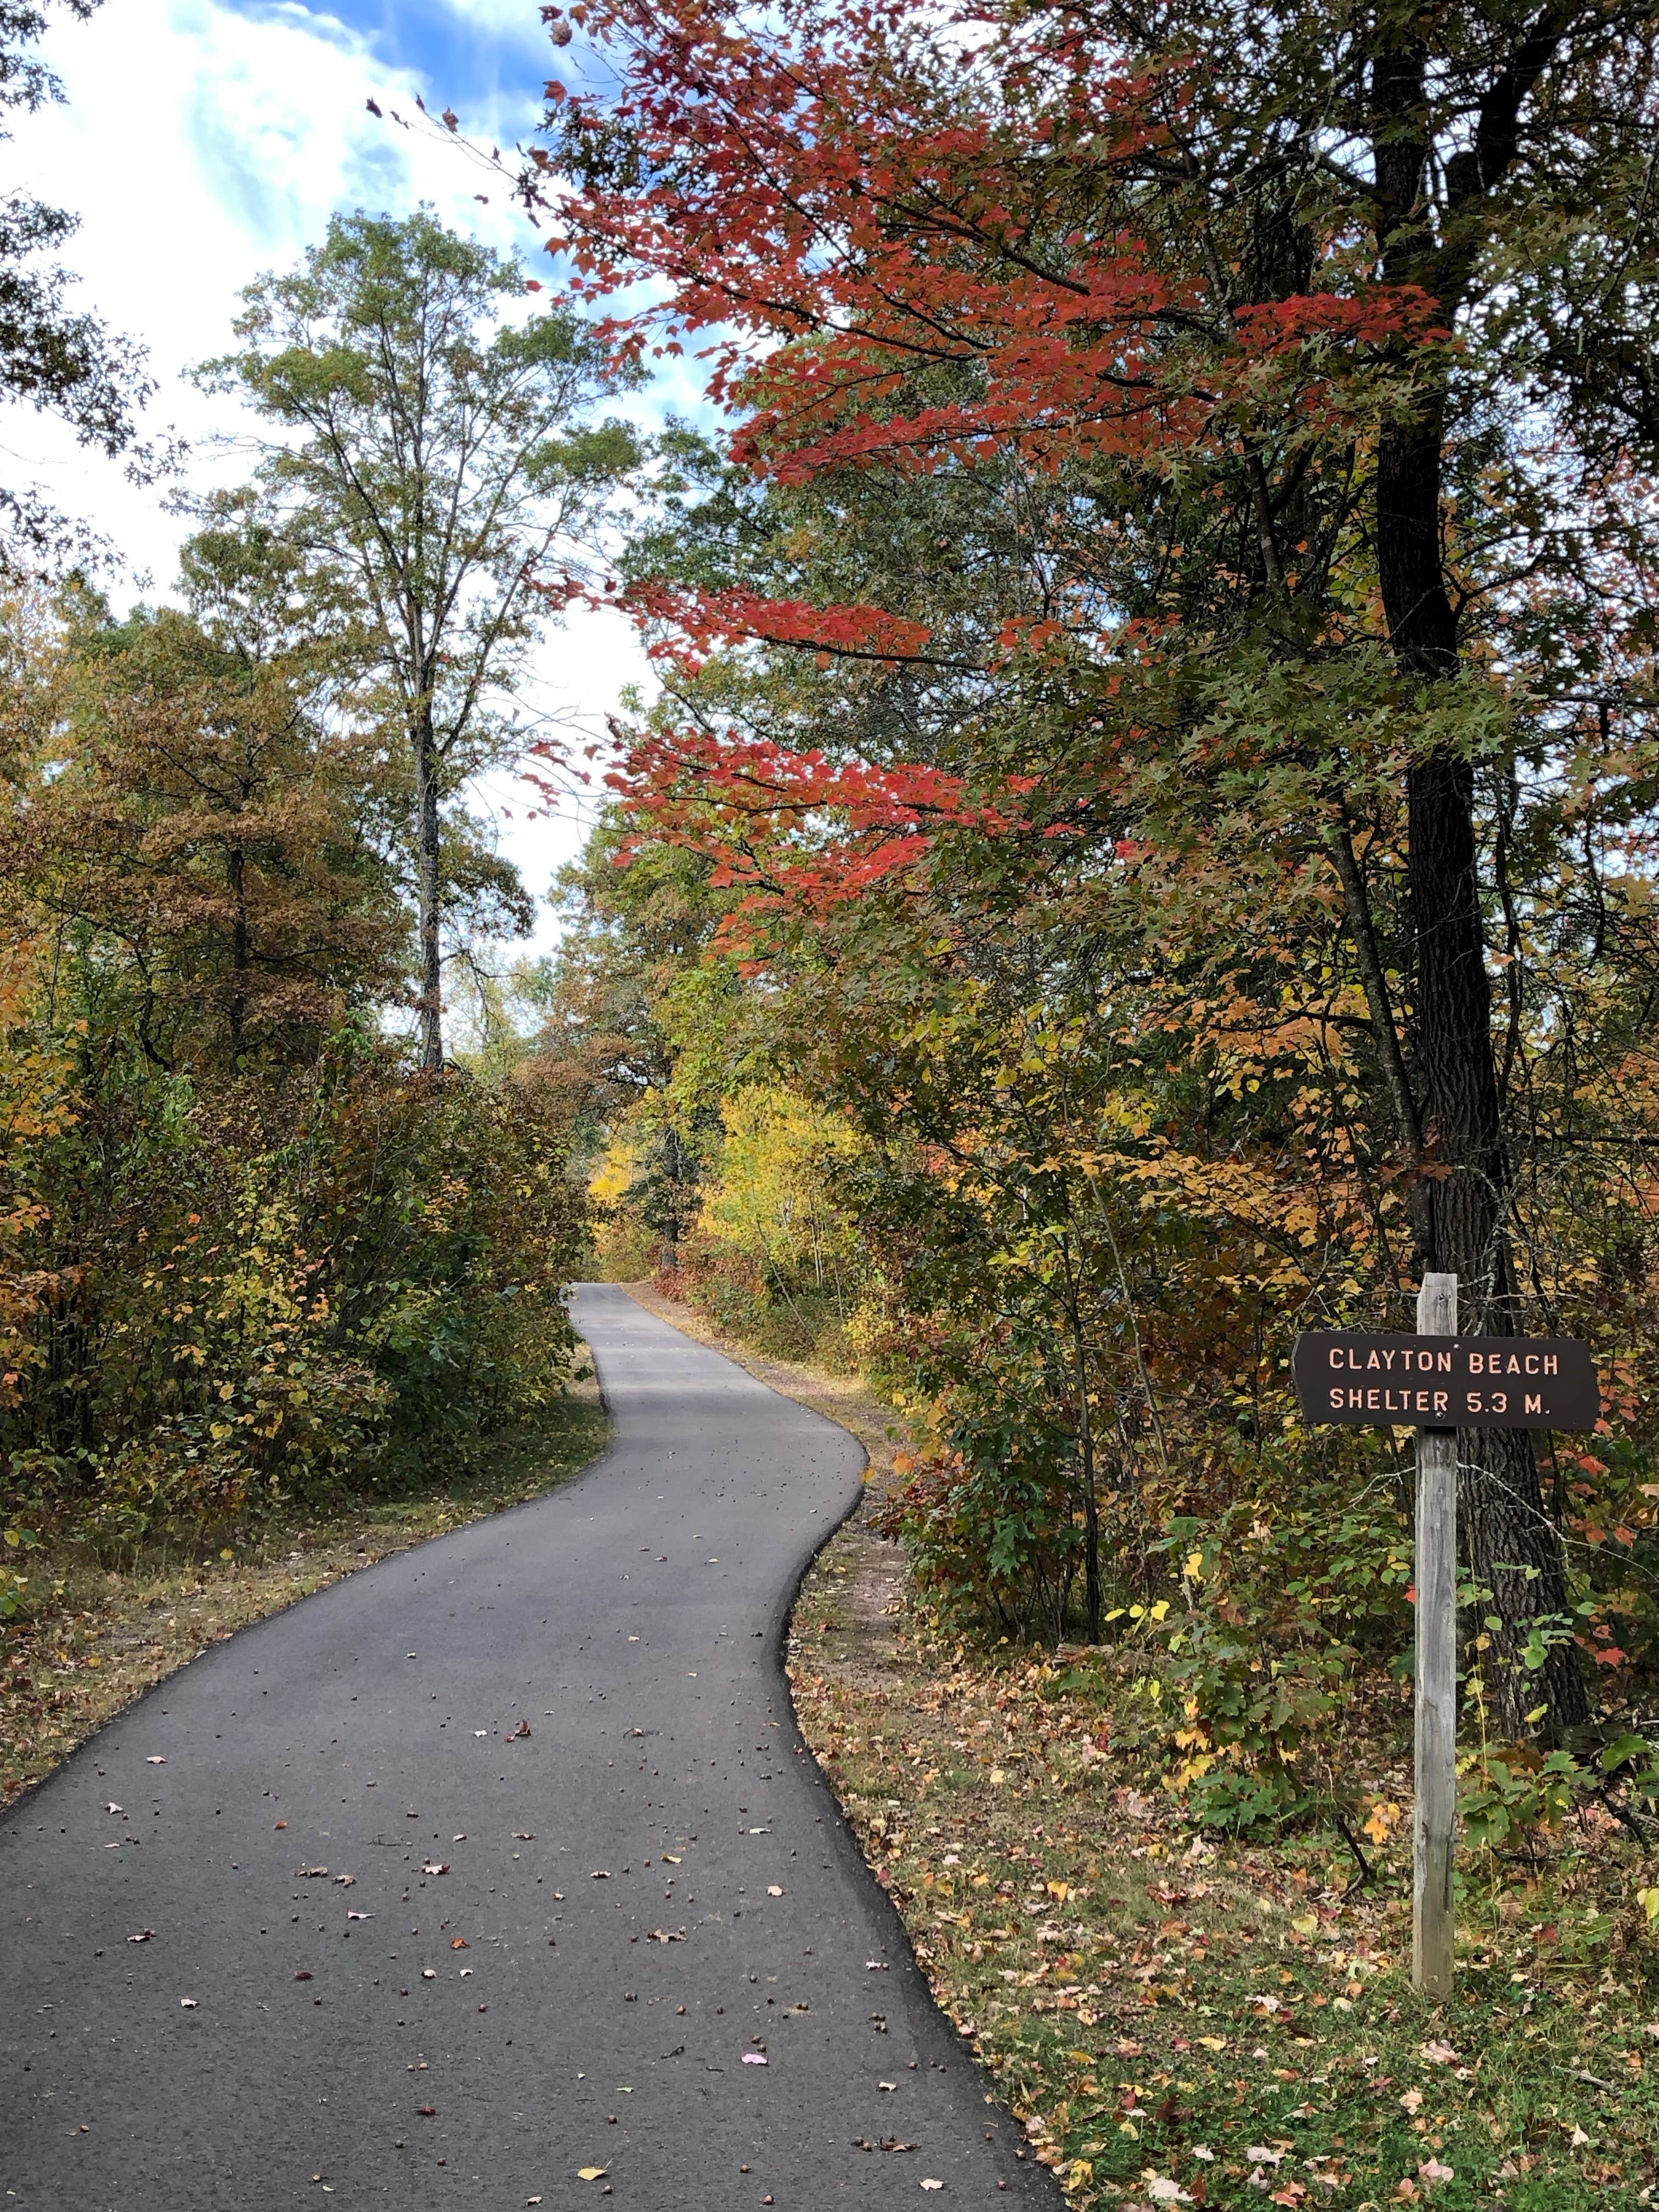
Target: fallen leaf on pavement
459 1943
591 2172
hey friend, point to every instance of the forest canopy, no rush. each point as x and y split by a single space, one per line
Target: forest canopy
264 1244
1146 842
1143 843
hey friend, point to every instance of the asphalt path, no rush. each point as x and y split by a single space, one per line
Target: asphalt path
501 1859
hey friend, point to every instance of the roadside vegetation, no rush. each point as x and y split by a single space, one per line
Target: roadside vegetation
287 1207
1179 2012
1145 842
1145 846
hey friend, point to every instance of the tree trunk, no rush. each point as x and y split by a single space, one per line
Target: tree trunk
1085 1445
240 955
1514 1549
426 866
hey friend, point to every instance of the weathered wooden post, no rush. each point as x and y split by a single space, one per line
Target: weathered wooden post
1438 1382
1434 1819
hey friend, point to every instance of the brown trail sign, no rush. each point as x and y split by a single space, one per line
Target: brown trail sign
1439 1382
1446 1383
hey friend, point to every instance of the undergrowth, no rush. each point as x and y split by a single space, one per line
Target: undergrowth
1180 2014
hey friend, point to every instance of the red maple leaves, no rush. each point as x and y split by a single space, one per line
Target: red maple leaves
914 242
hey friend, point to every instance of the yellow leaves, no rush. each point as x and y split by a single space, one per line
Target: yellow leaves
1191 1771
775 1201
1381 1821
617 1170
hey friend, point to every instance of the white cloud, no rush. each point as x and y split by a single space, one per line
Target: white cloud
202 143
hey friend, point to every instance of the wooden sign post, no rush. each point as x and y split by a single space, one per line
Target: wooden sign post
1436 1808
1439 1382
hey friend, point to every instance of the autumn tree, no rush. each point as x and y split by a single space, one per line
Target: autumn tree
1274 310
201 802
434 457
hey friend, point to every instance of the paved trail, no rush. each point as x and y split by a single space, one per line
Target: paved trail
631 1623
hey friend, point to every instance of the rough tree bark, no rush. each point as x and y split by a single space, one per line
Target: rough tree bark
1514 1547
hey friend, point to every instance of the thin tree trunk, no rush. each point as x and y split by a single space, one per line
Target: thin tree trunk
1086 1447
427 892
240 958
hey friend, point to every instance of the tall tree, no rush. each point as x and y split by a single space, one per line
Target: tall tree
1275 329
433 457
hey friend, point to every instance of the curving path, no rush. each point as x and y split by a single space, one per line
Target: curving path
276 2038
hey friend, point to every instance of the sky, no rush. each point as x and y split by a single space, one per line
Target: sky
202 142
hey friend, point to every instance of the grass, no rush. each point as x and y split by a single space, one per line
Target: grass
109 1634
